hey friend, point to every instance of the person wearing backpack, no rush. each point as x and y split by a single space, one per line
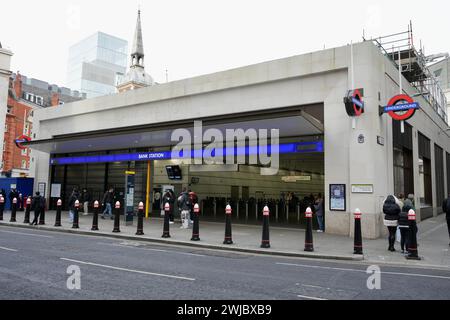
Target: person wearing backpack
184 204
38 205
446 209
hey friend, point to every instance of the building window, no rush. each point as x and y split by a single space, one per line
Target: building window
24 152
24 164
39 100
26 129
6 127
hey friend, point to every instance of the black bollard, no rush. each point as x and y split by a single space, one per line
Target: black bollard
412 245
58 213
265 242
140 222
196 227
309 247
166 231
13 210
76 215
117 218
27 211
95 217
2 207
358 248
228 237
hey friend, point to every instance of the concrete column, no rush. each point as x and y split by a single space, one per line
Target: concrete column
415 144
433 179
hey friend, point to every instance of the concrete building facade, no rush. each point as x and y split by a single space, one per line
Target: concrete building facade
300 95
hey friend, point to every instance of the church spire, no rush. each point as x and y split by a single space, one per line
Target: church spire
137 52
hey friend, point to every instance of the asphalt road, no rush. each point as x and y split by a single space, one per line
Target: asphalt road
34 265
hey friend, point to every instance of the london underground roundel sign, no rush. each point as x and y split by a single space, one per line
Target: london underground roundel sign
354 104
401 107
21 140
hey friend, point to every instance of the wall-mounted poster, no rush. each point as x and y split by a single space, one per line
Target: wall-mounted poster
337 197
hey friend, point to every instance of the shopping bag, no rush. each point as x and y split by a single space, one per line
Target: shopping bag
398 235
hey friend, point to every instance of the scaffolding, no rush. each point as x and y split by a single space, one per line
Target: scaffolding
400 49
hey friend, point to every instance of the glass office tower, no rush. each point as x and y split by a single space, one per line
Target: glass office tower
95 62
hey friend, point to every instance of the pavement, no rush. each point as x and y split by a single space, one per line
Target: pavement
37 264
289 242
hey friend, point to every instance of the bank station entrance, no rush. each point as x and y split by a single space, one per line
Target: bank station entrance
243 184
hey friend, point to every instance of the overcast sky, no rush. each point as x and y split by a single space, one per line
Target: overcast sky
193 37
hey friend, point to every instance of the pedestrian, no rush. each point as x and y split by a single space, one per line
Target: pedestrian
38 205
400 200
3 193
184 205
410 201
13 194
170 199
318 206
107 202
194 199
73 198
86 198
446 209
391 211
403 225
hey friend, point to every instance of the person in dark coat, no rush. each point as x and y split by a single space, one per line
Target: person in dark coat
85 198
73 198
169 198
184 205
13 194
38 205
446 209
403 224
107 203
391 212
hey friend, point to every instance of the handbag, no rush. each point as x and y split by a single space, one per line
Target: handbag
398 235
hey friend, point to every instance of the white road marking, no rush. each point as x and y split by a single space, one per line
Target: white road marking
310 298
129 270
149 249
27 234
8 249
316 287
364 271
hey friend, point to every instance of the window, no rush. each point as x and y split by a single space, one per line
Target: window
24 152
39 100
26 129
6 127
24 164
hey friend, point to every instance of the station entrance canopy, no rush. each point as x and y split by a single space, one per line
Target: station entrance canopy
291 124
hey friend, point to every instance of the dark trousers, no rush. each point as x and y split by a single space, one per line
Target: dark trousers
171 217
392 231
405 238
448 226
37 212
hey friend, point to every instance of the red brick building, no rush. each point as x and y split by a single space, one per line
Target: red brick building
16 161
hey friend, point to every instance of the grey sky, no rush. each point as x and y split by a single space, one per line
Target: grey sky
193 37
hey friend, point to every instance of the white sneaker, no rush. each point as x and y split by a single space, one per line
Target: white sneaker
319 231
171 222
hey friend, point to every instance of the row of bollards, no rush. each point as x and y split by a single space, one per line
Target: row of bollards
265 242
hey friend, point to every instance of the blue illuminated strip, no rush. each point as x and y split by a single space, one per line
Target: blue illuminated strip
298 147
